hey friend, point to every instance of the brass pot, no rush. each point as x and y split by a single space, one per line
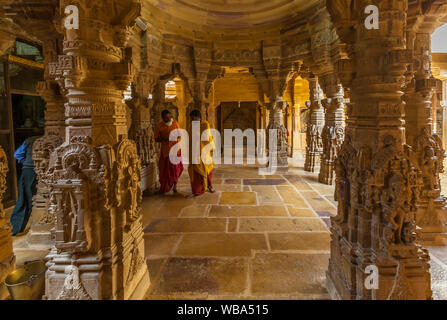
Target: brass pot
27 282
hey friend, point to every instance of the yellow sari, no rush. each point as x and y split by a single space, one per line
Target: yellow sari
204 168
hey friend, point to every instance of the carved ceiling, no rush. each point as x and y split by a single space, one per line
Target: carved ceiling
227 19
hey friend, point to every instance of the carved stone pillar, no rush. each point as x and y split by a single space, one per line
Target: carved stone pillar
431 215
295 134
377 182
7 258
333 132
42 217
95 175
315 126
276 122
141 132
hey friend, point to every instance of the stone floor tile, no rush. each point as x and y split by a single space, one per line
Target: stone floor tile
267 194
238 198
244 211
298 182
160 244
289 273
220 244
300 241
197 210
207 198
439 280
154 266
228 187
280 224
232 225
303 213
319 203
440 252
202 276
233 181
264 182
175 225
290 196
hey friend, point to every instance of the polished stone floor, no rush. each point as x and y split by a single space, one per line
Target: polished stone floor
257 237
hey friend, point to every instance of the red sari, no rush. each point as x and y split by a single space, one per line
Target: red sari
168 173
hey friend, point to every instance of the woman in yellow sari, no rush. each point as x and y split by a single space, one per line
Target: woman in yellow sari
201 174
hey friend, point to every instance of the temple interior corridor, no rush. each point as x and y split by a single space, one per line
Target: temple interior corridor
103 103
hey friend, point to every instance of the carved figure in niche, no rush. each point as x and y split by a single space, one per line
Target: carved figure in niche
127 173
70 222
342 192
78 181
134 190
342 185
394 205
136 261
430 168
430 157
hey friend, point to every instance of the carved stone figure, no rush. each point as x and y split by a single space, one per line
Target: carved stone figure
42 149
333 134
73 288
276 123
7 258
314 127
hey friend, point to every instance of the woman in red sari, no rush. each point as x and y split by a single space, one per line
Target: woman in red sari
168 173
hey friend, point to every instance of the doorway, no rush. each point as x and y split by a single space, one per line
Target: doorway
21 108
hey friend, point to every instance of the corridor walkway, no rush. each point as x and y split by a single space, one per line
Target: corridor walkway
256 237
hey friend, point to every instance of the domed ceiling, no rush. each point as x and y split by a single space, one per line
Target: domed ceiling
223 18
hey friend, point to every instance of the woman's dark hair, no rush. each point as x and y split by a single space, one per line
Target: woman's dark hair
195 113
165 112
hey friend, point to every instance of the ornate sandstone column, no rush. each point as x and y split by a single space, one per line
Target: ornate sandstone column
42 217
315 126
333 132
95 174
276 122
7 258
374 252
141 132
295 134
431 213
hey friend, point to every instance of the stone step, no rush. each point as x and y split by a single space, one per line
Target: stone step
40 238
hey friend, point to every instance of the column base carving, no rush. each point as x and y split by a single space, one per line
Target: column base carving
327 173
431 218
149 179
403 278
6 264
330 287
312 160
41 233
